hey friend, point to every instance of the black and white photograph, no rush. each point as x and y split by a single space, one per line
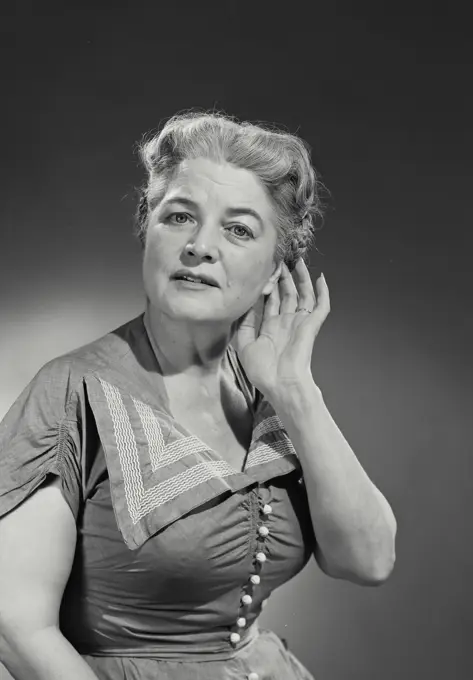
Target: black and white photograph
236 339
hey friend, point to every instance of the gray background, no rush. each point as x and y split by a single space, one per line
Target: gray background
384 98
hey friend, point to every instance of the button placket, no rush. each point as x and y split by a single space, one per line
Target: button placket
263 510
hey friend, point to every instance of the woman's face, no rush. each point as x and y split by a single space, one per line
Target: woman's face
225 217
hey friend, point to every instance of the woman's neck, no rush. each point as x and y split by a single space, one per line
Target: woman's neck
190 352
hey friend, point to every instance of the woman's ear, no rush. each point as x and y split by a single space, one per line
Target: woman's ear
273 279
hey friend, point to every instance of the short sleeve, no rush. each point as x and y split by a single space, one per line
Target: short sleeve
40 436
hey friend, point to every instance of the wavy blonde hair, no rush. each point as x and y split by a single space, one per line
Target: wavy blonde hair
280 160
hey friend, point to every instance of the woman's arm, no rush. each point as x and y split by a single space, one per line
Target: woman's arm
37 545
44 655
353 522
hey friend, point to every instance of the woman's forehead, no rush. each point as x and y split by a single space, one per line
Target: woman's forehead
202 180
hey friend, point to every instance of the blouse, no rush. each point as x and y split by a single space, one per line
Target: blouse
177 551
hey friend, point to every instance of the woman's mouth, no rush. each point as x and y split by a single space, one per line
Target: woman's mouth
193 284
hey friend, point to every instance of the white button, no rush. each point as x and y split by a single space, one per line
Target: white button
255 579
241 622
253 676
247 599
263 531
267 509
235 637
261 557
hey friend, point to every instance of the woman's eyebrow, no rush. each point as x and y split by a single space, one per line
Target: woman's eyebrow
230 211
180 199
245 211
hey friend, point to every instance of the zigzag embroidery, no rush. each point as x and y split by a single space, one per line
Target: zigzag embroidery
270 424
141 501
160 454
264 453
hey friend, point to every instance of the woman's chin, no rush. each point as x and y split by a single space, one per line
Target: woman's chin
195 313
194 310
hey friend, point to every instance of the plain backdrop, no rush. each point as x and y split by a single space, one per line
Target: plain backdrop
382 93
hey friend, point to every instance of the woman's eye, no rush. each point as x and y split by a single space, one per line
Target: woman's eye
178 215
182 218
246 231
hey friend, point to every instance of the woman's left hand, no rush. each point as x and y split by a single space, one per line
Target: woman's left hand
280 357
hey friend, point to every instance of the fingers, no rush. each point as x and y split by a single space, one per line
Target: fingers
272 304
287 292
323 297
307 299
296 291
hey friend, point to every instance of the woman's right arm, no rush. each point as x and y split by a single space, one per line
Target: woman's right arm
37 545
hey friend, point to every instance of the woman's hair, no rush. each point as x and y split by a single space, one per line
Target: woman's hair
280 160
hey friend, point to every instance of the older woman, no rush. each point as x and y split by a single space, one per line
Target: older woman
158 484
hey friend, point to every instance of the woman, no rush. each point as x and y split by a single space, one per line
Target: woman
158 484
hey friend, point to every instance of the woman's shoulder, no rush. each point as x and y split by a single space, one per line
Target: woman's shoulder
56 387
104 353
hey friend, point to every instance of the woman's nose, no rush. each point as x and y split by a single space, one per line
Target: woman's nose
204 244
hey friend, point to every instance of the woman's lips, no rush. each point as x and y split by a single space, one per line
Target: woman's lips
197 285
